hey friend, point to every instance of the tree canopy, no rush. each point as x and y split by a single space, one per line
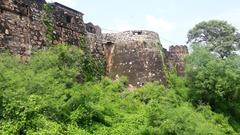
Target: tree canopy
218 36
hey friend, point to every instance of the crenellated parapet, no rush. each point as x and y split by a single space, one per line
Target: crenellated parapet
175 58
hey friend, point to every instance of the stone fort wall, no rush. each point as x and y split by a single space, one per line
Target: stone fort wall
20 25
174 58
135 54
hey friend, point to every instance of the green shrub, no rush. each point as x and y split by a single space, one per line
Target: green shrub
44 96
214 81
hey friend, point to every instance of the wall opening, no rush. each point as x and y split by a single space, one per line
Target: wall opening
68 18
137 33
109 44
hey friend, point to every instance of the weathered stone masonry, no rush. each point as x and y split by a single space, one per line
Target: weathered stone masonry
178 54
94 39
174 58
20 25
68 25
135 54
139 56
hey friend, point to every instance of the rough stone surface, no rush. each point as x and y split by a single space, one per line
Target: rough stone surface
175 58
68 25
22 28
135 54
20 24
94 39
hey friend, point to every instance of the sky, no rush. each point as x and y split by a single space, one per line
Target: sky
171 19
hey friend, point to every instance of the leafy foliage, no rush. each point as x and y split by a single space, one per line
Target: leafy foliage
93 66
43 96
215 81
48 22
218 36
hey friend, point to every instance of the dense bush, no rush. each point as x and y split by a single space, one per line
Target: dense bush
44 96
215 82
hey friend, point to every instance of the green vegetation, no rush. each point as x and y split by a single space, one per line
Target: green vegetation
215 82
216 35
44 96
62 90
48 22
92 66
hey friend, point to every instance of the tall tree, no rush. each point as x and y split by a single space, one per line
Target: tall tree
218 36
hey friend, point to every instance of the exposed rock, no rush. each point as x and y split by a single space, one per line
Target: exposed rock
6 32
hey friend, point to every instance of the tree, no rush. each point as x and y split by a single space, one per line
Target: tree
215 82
218 36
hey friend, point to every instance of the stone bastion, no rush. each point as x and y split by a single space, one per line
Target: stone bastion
135 54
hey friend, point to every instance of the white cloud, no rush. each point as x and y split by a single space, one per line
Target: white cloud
159 24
